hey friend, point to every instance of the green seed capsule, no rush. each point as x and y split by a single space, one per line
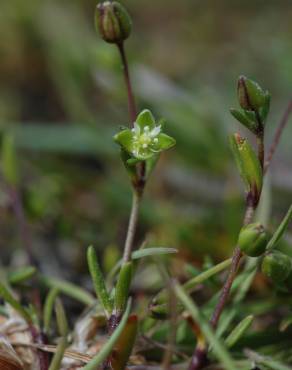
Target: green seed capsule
277 266
250 95
253 239
113 22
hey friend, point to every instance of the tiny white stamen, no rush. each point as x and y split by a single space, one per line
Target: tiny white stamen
144 146
146 128
155 140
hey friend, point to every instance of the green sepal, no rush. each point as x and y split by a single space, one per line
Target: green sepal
98 281
123 286
250 95
264 111
9 160
145 118
165 142
125 139
244 119
277 266
248 165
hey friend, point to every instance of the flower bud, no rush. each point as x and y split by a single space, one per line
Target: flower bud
253 240
248 165
277 266
250 95
113 22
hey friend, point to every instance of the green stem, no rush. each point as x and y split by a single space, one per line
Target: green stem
131 99
132 227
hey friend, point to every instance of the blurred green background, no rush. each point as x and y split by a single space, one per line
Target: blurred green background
62 95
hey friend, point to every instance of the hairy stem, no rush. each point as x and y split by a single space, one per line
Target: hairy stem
132 227
131 99
282 124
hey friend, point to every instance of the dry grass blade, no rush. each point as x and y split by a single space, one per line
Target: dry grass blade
8 358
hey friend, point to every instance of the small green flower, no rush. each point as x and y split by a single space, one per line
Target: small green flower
145 139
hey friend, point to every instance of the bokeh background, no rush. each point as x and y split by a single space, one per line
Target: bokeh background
62 96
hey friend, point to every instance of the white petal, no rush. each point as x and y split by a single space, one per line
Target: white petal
154 132
136 129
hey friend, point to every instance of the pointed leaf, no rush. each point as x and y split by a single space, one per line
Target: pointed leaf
125 140
238 331
281 229
108 347
98 281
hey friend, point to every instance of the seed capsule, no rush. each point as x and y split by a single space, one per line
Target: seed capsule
277 266
113 22
253 239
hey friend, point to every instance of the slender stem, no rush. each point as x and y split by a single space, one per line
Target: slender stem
236 258
282 124
199 358
131 99
132 227
260 139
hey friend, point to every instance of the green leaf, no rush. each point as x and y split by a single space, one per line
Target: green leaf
48 308
124 345
21 275
71 290
165 142
238 331
218 347
8 297
62 322
59 354
109 346
244 119
146 118
281 229
98 281
154 251
123 286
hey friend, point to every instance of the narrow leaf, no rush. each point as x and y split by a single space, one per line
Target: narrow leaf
281 229
21 275
124 345
108 347
8 297
48 308
123 286
219 349
153 251
238 331
71 290
98 281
